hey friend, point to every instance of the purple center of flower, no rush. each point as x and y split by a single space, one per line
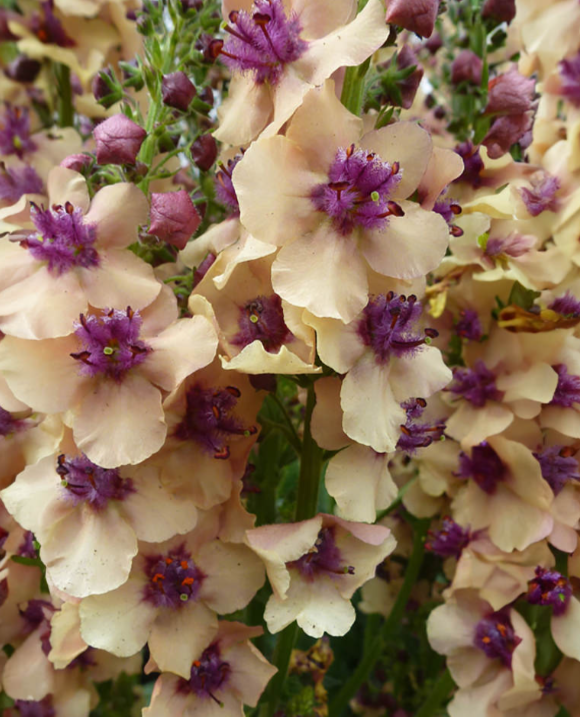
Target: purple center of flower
224 187
83 661
495 635
449 540
262 41
550 588
209 421
514 245
63 239
207 675
416 435
86 482
542 195
357 193
566 305
323 559
568 389
28 708
449 209
174 579
469 326
558 466
476 385
110 343
48 28
570 79
484 467
14 182
15 132
8 424
262 319
472 164
27 549
388 326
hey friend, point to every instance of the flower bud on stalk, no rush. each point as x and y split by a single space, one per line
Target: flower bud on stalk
173 217
118 140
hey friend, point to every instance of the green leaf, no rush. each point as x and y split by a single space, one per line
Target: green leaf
520 296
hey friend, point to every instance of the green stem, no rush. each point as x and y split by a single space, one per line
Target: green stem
353 89
442 688
64 99
296 442
375 649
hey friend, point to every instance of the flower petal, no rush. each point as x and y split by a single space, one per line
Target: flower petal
118 210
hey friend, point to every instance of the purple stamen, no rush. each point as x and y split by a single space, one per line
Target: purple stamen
473 164
8 424
84 481
558 466
469 326
63 239
26 549
208 674
449 209
550 588
388 326
476 385
449 540
514 245
110 343
15 131
566 305
495 635
568 389
416 435
263 42
14 182
570 79
357 193
174 579
29 708
48 28
323 559
542 195
484 467
224 188
209 421
262 319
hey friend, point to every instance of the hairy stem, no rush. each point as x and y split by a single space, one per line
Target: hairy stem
442 688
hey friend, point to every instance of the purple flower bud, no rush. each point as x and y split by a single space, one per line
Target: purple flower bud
177 90
506 131
495 636
99 87
204 152
118 140
23 69
550 588
434 43
76 162
466 67
510 94
417 16
570 79
499 10
174 219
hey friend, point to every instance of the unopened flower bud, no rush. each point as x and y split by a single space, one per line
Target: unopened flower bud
76 162
173 217
177 90
466 67
118 140
204 152
510 94
417 16
191 5
23 69
499 10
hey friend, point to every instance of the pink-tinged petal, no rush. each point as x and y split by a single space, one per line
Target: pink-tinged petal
338 346
226 565
322 125
372 415
444 166
373 489
320 18
65 638
406 143
565 630
250 673
42 306
217 238
166 699
29 659
273 184
245 112
422 374
287 98
42 373
255 359
564 420
348 46
117 211
64 185
155 511
121 279
178 637
480 699
451 626
313 271
129 411
185 347
119 621
471 425
326 422
89 552
525 472
410 246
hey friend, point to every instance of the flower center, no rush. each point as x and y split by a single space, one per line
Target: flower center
484 466
110 343
208 674
27 549
568 389
48 28
570 79
324 558
476 385
514 245
15 132
30 708
224 187
558 466
416 435
86 482
63 239
263 41
358 190
549 588
14 182
495 635
469 326
449 540
388 326
8 424
542 195
174 579
262 319
209 419
566 305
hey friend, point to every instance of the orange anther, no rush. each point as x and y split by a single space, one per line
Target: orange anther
158 576
486 639
188 581
196 663
184 564
168 561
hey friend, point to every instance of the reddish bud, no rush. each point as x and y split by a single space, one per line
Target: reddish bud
417 16
177 90
499 10
510 94
118 140
174 219
204 151
76 162
23 69
466 67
